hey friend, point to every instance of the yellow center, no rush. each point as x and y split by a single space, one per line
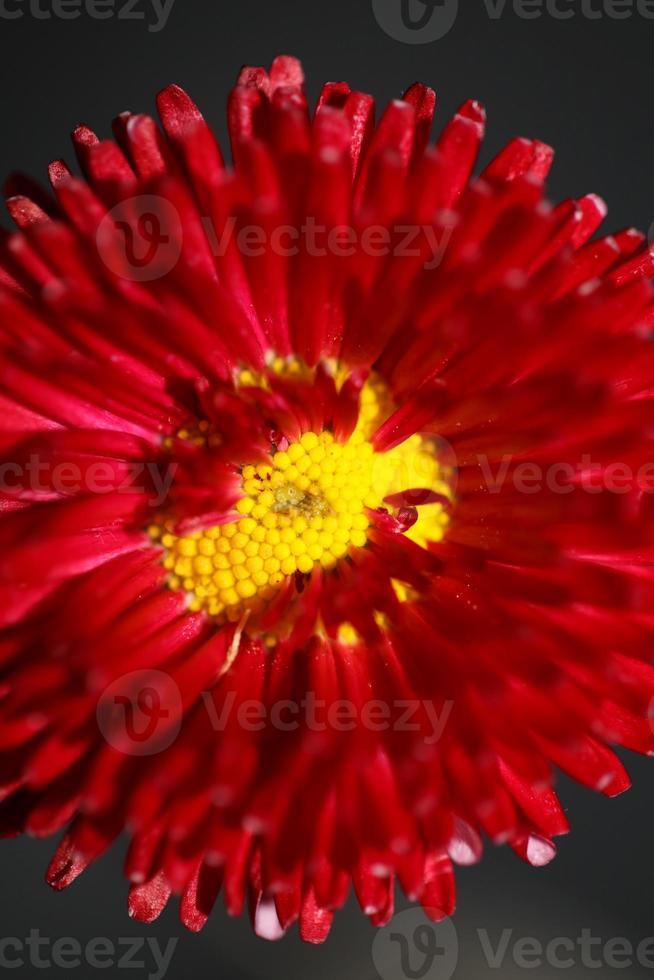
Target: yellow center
306 507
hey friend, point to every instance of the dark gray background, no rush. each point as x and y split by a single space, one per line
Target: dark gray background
582 85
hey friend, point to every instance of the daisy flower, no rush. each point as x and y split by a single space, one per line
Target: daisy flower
326 522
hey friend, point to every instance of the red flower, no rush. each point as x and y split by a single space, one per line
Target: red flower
327 528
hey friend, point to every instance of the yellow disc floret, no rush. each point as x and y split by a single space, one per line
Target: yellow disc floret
305 508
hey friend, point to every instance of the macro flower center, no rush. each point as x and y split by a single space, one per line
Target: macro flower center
308 507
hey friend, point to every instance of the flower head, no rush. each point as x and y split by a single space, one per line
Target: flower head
326 503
